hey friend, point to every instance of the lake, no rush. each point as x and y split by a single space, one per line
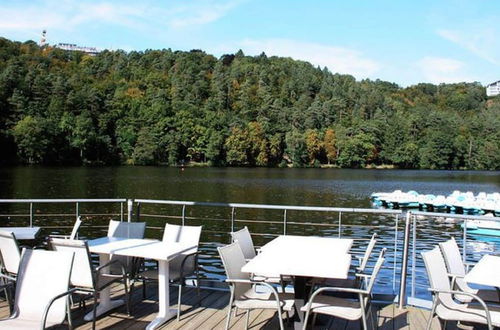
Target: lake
305 187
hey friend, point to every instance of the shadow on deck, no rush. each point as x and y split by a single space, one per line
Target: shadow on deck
211 313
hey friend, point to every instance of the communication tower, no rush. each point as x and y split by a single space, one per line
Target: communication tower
43 39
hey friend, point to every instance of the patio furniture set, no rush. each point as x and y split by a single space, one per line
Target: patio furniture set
319 269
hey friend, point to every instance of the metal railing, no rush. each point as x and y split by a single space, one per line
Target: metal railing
77 203
405 246
418 244
285 221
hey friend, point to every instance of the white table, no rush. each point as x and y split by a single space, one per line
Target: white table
23 233
485 272
143 248
303 257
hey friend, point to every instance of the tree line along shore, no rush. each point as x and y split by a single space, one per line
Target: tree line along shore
181 107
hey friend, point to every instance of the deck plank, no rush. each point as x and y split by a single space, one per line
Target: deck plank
211 313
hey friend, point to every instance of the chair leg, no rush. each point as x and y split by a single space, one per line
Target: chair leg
179 302
198 287
433 310
315 316
94 310
363 320
282 326
127 296
230 306
247 319
306 318
143 289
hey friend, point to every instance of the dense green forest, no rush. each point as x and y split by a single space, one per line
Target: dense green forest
176 107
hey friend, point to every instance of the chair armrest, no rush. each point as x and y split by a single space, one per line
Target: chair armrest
47 308
473 296
100 268
468 265
361 275
10 278
269 286
454 278
58 236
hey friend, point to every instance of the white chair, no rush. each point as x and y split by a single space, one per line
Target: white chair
350 309
356 280
243 294
74 231
125 229
183 265
10 254
43 280
444 305
244 240
84 277
457 270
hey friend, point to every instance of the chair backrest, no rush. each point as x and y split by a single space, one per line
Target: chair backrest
376 269
244 239
233 259
76 227
368 252
437 274
184 234
9 252
126 229
452 257
42 276
82 274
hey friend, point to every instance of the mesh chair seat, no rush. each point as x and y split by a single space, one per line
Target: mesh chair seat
456 266
264 300
24 324
345 308
468 313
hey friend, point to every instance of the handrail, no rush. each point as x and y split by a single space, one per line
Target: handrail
456 216
269 206
66 200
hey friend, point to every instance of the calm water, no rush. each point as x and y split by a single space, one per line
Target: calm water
309 187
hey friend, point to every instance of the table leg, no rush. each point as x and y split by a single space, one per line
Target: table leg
300 293
105 302
164 311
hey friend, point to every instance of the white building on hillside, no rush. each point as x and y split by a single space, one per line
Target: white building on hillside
493 89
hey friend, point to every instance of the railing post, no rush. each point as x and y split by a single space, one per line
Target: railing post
183 214
413 256
464 243
232 219
284 222
130 209
31 214
138 212
394 263
77 209
340 222
121 211
404 263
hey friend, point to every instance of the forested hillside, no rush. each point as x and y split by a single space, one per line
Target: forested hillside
173 107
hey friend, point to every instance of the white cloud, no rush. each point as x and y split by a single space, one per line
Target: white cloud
337 59
482 42
71 14
442 70
201 13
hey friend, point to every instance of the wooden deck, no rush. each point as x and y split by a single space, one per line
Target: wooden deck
211 314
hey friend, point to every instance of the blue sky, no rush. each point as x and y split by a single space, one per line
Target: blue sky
403 41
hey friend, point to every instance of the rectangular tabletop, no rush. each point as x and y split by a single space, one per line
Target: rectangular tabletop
23 233
485 272
307 256
134 247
